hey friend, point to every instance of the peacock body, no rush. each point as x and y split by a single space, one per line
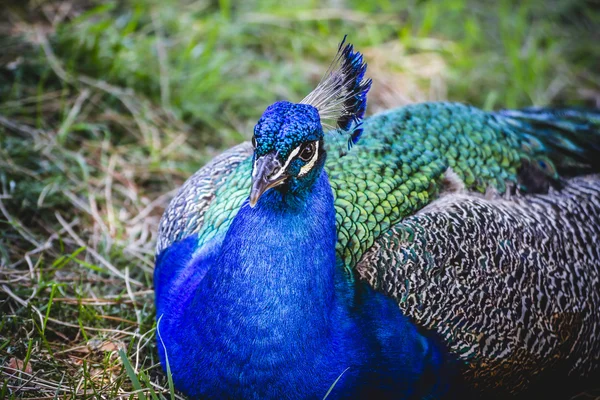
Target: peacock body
448 245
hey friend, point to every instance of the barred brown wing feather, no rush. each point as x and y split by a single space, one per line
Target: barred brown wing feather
511 285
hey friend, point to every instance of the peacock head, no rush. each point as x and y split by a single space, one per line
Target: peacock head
288 141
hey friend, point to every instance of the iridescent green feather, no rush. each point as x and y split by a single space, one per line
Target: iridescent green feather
397 169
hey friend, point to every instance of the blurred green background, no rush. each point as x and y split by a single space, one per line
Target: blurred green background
107 107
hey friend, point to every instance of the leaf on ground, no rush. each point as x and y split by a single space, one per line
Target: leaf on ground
17 364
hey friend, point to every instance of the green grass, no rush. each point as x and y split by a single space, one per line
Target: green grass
107 107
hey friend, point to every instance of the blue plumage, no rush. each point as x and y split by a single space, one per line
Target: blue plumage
284 125
264 313
354 68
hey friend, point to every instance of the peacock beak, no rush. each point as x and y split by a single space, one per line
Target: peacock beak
267 173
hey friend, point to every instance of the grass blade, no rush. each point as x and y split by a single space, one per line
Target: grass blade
132 376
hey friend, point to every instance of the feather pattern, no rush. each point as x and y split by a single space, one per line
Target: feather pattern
384 179
341 96
511 283
568 135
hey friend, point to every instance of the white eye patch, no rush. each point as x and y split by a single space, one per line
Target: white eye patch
304 170
287 163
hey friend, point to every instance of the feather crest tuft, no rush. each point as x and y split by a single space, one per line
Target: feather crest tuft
341 96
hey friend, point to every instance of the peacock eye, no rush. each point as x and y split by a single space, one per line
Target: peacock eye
254 141
307 152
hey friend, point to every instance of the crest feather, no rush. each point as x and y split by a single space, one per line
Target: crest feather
341 96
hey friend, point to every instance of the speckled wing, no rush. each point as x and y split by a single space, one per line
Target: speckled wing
185 214
511 285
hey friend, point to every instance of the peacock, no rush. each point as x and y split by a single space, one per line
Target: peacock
430 251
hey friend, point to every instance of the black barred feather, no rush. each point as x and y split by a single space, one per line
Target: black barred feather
341 96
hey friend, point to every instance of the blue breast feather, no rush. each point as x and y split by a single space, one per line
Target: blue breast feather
264 313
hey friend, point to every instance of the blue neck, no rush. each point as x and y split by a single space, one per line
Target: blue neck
278 255
267 302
